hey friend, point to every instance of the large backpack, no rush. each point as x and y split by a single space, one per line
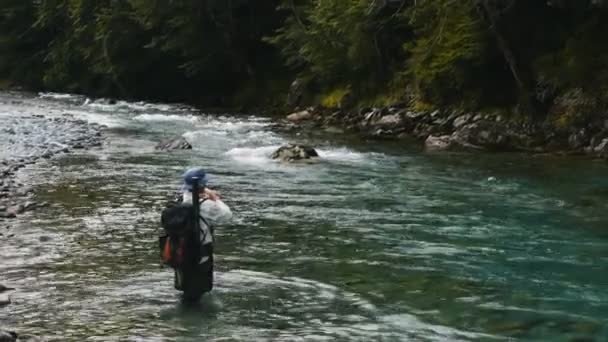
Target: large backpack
176 245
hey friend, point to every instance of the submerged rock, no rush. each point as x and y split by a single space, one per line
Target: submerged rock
294 152
4 214
174 144
8 336
16 209
4 288
4 300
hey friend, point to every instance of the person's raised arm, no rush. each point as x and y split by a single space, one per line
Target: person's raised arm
213 209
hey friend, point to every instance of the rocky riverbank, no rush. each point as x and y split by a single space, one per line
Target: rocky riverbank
26 140
445 130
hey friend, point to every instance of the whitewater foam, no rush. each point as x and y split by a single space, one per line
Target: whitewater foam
345 155
165 118
253 155
98 118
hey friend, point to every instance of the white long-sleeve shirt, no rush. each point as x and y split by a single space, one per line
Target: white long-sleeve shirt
213 212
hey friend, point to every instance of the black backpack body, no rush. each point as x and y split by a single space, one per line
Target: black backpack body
178 220
178 246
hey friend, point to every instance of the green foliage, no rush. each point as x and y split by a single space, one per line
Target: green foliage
337 42
468 54
177 50
582 59
449 44
333 99
21 45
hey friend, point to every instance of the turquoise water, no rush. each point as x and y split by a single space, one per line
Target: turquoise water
375 242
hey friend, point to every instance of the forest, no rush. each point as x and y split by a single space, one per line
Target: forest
522 57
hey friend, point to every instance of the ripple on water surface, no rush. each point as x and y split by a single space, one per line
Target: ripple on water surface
371 243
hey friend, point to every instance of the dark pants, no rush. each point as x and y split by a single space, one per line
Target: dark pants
195 279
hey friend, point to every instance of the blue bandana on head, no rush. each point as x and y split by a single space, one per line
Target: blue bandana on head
190 175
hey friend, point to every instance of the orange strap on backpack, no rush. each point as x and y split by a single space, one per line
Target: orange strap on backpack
167 251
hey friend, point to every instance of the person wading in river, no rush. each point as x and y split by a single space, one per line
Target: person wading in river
194 264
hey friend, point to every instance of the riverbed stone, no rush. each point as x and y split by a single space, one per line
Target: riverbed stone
30 205
24 191
6 214
4 288
174 144
16 209
45 238
8 336
4 300
294 152
392 120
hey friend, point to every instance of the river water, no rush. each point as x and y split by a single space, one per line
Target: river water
376 242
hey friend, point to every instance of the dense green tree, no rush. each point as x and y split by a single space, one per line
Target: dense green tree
469 53
22 46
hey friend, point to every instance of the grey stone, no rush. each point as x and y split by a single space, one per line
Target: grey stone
438 143
30 205
5 214
389 120
4 300
299 116
16 209
602 149
415 115
174 144
461 121
8 336
24 191
294 152
373 116
4 288
44 238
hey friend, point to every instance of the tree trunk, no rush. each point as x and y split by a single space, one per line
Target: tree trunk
522 79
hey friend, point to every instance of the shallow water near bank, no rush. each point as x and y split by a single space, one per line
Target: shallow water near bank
375 242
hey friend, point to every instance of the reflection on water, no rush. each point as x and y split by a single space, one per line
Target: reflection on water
373 243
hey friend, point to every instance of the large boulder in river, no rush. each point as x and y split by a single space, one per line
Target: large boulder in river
174 144
294 152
